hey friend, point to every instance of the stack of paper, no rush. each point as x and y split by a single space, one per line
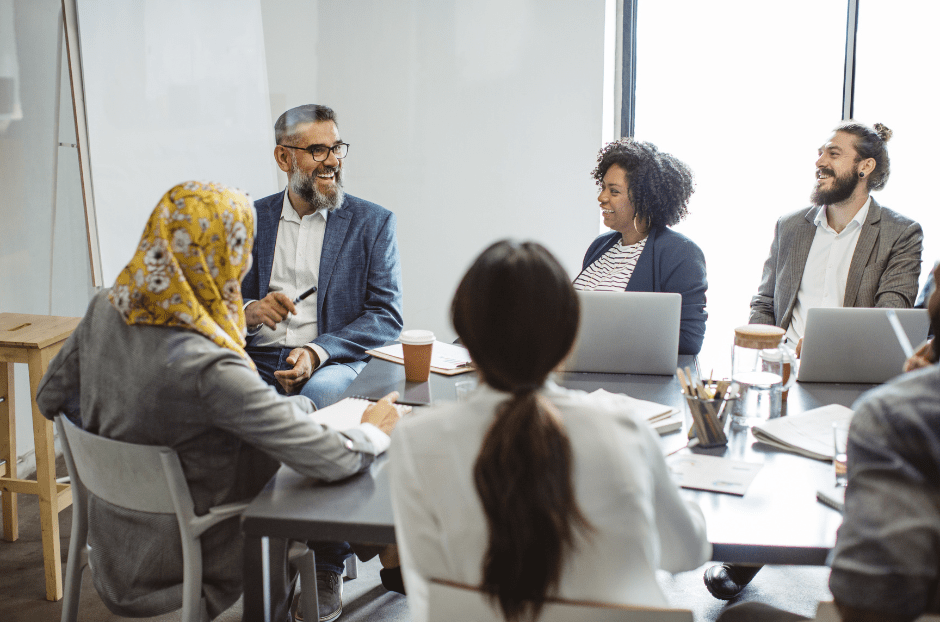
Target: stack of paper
664 419
446 358
347 413
808 434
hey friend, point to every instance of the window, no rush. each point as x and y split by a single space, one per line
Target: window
744 93
895 85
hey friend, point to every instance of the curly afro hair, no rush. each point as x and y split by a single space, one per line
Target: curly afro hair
660 184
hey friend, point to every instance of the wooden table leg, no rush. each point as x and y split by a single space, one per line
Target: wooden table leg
43 437
11 528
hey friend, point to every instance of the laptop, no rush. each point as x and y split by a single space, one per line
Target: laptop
857 345
627 333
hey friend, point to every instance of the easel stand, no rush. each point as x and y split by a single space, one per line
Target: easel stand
33 340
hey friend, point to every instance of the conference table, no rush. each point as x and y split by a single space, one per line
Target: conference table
777 521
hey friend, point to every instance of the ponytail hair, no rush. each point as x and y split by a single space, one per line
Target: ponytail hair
517 313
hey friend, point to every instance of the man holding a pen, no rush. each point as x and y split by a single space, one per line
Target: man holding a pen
326 281
325 286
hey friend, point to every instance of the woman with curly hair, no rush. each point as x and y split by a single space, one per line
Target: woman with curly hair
644 192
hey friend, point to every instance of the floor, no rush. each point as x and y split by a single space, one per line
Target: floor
22 591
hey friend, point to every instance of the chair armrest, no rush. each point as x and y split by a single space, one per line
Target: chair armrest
216 515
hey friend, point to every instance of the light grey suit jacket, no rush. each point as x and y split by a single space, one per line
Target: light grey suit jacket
884 270
153 385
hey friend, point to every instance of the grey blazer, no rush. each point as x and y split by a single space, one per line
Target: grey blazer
166 386
884 270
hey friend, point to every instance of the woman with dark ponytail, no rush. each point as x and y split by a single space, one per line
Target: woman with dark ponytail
527 490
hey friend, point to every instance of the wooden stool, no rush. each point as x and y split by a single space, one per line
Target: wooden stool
34 340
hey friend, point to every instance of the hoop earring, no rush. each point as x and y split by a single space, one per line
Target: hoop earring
638 230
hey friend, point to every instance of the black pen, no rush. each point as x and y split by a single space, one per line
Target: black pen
309 292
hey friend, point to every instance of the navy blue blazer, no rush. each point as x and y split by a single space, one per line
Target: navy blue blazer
670 262
359 291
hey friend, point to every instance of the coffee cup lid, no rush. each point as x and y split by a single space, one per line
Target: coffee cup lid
417 337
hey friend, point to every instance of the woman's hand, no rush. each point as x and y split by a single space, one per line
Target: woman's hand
383 413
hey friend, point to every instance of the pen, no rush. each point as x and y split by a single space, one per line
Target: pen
900 334
309 292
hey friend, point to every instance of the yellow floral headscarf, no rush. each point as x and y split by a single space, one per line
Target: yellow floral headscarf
188 266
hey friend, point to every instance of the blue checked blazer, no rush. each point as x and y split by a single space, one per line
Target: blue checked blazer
359 291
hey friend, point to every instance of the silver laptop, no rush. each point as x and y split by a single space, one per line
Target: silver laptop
857 345
627 333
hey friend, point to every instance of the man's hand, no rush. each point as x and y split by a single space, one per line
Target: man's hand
924 357
304 363
799 348
382 414
270 310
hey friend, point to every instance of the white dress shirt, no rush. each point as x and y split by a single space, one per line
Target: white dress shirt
296 269
622 486
827 268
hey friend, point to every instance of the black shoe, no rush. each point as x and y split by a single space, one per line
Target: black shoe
724 582
391 579
329 597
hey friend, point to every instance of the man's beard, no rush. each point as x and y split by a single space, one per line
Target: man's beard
305 186
842 188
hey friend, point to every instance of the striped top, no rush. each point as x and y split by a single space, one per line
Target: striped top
612 271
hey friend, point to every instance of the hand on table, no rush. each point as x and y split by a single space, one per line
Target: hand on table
383 414
924 357
270 310
304 361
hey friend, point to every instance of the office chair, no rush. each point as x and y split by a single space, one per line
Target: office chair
460 603
144 478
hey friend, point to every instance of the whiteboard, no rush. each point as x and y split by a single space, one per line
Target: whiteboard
472 120
174 90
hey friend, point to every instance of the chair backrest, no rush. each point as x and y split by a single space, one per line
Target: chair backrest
124 474
461 603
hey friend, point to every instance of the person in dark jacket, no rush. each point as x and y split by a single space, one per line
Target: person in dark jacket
644 192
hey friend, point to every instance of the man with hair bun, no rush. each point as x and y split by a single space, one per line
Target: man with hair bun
844 251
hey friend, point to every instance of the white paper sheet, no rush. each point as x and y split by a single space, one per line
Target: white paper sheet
711 473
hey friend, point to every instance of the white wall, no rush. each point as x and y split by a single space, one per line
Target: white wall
472 120
36 277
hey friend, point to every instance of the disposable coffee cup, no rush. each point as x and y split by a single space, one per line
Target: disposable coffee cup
417 346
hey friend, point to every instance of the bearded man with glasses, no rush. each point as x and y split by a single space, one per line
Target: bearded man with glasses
341 252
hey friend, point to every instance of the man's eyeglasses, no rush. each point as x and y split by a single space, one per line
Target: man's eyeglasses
321 152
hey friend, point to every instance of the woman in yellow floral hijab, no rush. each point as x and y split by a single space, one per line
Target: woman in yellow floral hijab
188 267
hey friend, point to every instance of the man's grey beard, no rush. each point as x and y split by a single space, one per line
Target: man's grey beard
305 186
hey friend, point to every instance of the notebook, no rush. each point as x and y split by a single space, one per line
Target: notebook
857 345
347 413
808 433
627 333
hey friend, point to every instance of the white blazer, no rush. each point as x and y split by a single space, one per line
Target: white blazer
622 486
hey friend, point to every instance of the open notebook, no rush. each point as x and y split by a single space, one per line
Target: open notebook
347 413
808 433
